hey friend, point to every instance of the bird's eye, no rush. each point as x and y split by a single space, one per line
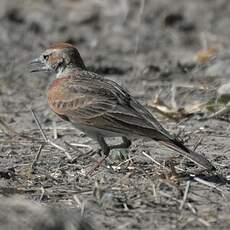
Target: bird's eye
46 57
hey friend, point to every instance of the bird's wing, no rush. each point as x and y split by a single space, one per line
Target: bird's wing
93 100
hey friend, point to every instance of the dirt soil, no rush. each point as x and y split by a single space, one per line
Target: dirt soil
171 55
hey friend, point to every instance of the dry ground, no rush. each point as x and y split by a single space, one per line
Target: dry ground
150 47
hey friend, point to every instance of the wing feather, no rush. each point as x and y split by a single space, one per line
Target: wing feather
92 99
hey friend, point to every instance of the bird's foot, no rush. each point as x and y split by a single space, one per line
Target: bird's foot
119 154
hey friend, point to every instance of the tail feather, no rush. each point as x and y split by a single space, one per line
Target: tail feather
191 155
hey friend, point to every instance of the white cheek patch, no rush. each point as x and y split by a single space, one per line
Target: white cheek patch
60 71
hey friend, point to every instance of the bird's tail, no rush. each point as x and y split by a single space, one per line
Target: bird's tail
191 155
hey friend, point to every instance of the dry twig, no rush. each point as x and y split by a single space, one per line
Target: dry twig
37 156
47 140
42 194
220 112
185 195
206 183
80 204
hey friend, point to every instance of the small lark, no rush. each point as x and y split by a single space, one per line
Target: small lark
100 107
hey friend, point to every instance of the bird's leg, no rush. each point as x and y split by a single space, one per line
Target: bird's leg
124 145
105 150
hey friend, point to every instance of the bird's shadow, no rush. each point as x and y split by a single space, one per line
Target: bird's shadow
216 178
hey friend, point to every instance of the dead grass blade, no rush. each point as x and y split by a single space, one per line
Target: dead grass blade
37 156
185 195
47 140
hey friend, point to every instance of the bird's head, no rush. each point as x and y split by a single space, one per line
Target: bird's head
57 58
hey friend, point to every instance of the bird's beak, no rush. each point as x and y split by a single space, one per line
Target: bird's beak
39 65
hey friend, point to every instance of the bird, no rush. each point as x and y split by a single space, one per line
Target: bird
100 107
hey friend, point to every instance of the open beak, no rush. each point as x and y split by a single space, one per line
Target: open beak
38 65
